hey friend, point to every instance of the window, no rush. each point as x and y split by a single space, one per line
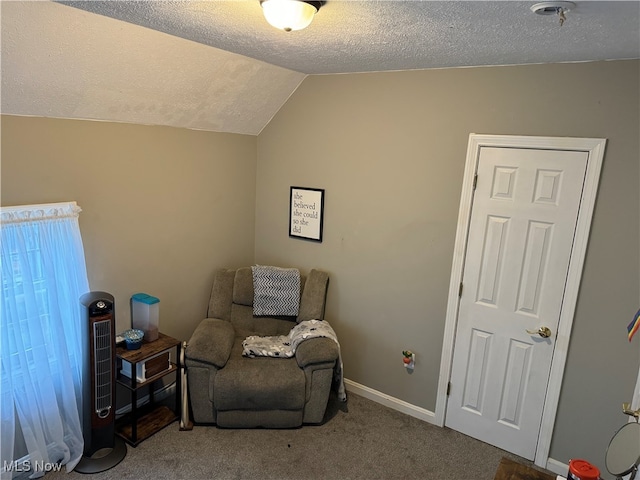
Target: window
43 277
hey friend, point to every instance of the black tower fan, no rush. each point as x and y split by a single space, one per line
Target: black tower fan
102 449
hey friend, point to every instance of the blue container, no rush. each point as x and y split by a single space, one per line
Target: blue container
145 315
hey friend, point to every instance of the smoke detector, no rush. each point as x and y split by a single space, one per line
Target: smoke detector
552 8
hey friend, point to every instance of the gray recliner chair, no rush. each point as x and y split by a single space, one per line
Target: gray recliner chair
230 390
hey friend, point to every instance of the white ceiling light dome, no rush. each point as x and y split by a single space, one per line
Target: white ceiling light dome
289 15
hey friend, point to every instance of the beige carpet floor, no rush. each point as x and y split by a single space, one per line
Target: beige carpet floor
358 440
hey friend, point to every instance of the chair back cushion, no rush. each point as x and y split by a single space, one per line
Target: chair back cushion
314 296
243 287
233 289
221 297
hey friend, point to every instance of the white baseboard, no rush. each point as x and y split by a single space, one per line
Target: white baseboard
389 401
557 467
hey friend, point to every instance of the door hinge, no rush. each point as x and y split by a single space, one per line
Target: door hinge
460 290
448 389
475 181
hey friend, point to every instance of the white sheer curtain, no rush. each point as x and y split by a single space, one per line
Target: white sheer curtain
43 277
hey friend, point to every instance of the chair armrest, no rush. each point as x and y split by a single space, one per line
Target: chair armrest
316 350
211 342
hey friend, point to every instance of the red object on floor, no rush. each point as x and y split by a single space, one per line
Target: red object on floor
582 470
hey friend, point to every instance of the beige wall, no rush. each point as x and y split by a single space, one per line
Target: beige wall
161 207
389 149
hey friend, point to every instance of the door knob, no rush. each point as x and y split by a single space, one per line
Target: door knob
544 332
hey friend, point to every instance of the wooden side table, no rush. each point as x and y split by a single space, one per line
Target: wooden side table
143 422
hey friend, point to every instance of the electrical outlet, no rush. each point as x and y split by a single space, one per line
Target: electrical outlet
409 359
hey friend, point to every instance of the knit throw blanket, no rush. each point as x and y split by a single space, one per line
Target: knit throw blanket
284 346
276 291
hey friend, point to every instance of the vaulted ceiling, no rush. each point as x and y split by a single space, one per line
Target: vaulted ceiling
218 66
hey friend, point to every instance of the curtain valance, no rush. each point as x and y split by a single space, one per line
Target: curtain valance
45 211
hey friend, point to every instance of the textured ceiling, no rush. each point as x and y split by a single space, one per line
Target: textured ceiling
363 36
63 62
217 65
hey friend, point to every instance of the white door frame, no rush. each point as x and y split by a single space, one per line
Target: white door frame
595 148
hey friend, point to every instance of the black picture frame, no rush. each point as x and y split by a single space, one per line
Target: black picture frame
306 213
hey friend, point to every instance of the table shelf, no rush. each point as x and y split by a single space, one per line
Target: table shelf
126 381
146 424
141 423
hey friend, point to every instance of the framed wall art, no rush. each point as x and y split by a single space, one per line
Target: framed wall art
306 209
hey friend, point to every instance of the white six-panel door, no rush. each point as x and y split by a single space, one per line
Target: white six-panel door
523 221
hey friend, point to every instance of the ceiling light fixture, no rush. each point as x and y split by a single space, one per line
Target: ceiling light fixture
289 15
553 8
